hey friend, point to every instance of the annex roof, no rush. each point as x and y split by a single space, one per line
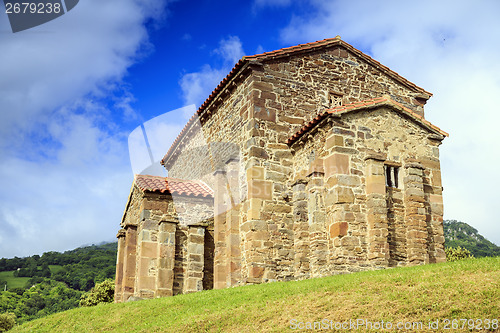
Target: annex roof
284 52
169 185
363 105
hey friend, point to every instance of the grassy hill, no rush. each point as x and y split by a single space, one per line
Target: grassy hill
467 289
12 281
20 282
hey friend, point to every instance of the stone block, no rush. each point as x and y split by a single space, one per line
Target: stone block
166 238
338 229
336 164
150 224
194 266
343 180
258 152
195 248
436 199
437 208
439 239
436 178
334 140
145 214
375 184
254 210
430 163
166 262
147 282
276 177
193 285
316 166
261 189
291 120
283 208
414 198
165 279
349 242
375 168
258 236
255 173
262 86
415 172
256 272
149 249
264 113
164 293
414 192
343 195
258 225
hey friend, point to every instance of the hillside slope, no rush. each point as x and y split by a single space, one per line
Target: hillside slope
467 289
458 233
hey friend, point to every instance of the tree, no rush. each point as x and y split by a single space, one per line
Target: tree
454 254
7 321
102 293
45 272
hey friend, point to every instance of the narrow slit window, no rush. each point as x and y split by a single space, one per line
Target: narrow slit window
391 176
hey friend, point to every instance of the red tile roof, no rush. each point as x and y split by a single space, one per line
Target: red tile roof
367 104
169 185
241 64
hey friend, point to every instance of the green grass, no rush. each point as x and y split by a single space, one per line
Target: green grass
20 282
55 268
466 289
12 281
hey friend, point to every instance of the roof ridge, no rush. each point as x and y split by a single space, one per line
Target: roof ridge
291 48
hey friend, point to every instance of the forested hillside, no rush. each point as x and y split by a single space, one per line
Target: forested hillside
36 286
461 234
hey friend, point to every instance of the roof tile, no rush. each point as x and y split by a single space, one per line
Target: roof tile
170 185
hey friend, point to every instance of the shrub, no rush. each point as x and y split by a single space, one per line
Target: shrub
458 253
7 321
101 293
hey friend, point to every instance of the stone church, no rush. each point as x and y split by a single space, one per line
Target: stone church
303 162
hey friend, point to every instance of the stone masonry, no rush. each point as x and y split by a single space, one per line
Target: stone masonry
304 162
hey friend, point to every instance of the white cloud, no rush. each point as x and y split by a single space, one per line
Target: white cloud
160 132
230 50
71 198
259 50
197 86
448 48
64 170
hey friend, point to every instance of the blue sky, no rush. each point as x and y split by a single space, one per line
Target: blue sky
73 89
